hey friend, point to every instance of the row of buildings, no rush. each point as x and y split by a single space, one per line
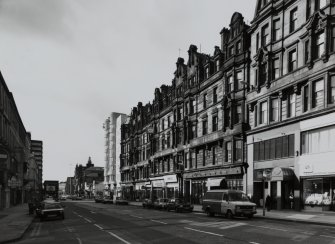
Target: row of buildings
21 158
260 108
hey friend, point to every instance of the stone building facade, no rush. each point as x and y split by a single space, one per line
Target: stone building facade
290 103
191 137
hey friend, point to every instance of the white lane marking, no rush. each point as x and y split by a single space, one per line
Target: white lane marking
252 242
232 226
210 233
200 213
89 221
139 217
98 226
266 227
116 236
79 240
158 221
328 236
80 216
92 212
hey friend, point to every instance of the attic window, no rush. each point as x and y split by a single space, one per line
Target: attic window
217 64
207 72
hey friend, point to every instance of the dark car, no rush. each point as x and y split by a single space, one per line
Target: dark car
98 199
179 205
160 203
107 200
120 201
50 210
147 203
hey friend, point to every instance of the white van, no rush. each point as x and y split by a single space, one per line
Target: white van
229 203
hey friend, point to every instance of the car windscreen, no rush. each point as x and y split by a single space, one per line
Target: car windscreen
238 196
52 206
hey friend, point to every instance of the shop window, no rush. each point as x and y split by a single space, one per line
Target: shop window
292 60
318 141
317 193
256 151
293 19
332 90
276 30
319 45
274 109
317 98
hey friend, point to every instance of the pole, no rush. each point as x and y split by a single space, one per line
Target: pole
263 196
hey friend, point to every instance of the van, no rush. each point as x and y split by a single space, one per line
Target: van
229 203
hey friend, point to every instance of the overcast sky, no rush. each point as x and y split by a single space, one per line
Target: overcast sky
70 63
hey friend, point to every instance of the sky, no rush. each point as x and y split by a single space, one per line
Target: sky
69 64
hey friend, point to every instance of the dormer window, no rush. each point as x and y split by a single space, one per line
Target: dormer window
217 64
207 72
238 47
265 35
231 51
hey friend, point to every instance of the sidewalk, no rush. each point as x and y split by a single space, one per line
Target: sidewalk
320 218
14 222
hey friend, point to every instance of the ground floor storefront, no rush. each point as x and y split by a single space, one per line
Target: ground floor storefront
196 184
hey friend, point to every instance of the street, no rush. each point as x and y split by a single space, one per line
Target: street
89 222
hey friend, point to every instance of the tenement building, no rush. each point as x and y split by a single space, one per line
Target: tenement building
191 138
291 103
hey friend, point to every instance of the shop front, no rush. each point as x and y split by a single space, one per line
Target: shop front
279 184
198 183
172 186
141 191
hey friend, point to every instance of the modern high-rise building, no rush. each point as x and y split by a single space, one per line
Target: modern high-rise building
37 150
112 127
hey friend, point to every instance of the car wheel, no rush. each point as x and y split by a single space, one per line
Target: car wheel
209 213
229 214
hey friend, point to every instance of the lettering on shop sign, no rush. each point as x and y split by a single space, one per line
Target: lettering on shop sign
218 172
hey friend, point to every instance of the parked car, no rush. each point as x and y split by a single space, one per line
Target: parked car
50 210
121 201
63 198
107 200
98 199
160 203
229 203
147 203
179 205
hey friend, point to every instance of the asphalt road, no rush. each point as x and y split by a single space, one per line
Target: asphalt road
88 222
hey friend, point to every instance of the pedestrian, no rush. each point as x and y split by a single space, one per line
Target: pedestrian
268 203
291 198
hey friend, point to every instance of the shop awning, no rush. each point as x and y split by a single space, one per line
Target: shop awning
282 174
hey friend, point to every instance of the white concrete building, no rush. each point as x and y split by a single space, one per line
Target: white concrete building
112 127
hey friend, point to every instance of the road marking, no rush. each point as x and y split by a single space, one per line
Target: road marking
80 216
158 221
116 236
210 233
266 227
92 212
98 226
232 226
328 236
252 242
139 217
89 221
200 213
79 240
36 230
